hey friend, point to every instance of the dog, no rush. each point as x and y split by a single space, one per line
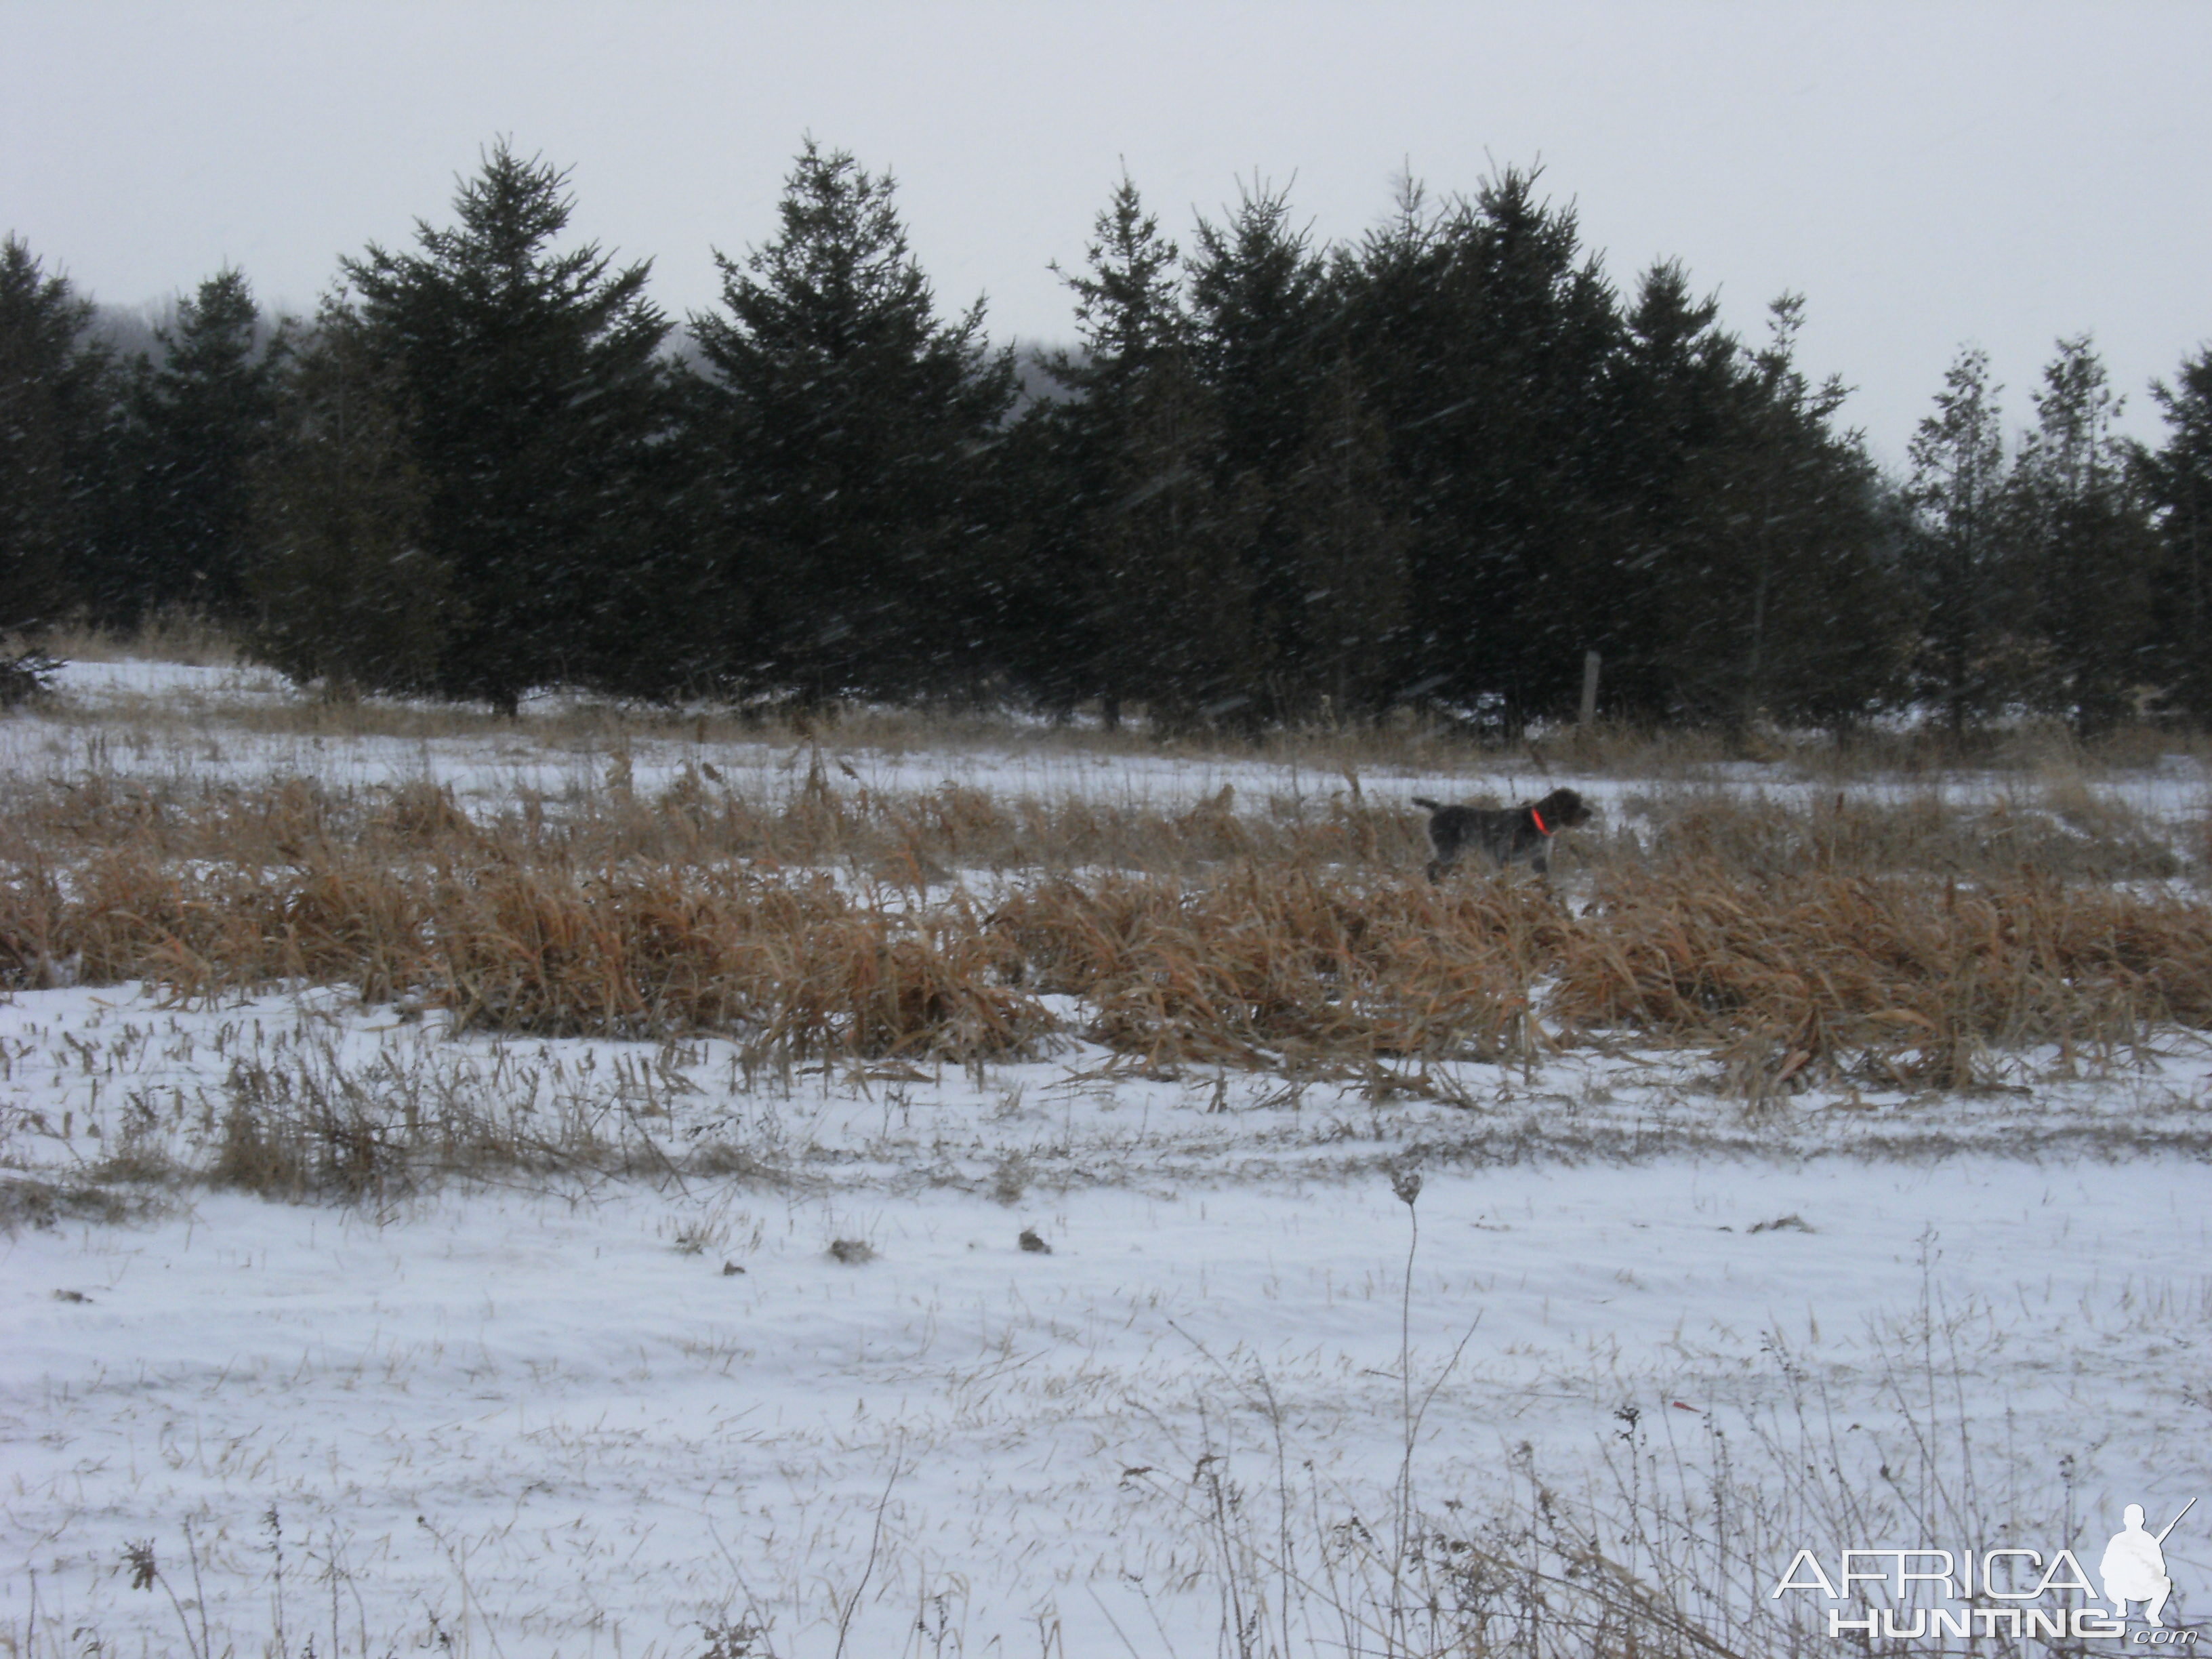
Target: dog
1510 835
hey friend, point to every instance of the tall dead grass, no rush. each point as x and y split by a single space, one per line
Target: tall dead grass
2062 829
1903 942
794 968
1897 979
1287 963
1904 979
910 839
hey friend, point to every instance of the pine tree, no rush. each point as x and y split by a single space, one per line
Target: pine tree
57 415
1261 312
1129 311
1262 344
1485 338
1671 405
1666 405
1965 577
1152 541
1348 567
1785 601
1169 545
849 422
2177 485
537 412
2087 538
201 418
1070 643
1132 327
341 587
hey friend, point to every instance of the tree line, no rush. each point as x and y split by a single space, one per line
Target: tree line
1272 482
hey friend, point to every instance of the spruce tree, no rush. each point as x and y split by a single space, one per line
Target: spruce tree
1965 578
1263 344
2086 536
1670 407
1129 312
537 412
1785 602
1348 567
1152 541
57 416
201 419
1485 336
1261 311
848 421
2178 484
1132 326
342 588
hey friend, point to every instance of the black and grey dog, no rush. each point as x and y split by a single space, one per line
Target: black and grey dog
1510 835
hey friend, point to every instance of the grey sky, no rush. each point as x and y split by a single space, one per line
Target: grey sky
1926 173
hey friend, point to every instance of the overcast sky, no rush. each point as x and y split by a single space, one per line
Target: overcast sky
1926 175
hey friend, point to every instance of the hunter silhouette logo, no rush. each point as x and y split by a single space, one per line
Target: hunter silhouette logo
2133 1567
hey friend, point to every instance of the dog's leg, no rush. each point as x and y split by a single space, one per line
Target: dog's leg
1441 842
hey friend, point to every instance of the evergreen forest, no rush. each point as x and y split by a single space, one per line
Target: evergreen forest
1264 482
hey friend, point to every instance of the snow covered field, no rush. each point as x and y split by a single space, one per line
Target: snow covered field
795 1383
243 725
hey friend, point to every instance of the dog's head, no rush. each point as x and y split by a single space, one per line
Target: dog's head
1563 809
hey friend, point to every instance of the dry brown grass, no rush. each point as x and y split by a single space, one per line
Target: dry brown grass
1901 941
2062 830
1272 964
794 968
1291 964
174 635
2061 827
1904 978
899 839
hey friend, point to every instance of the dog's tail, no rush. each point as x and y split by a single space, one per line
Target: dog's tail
1433 806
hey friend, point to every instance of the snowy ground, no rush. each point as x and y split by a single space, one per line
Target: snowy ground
200 736
159 721
577 1413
